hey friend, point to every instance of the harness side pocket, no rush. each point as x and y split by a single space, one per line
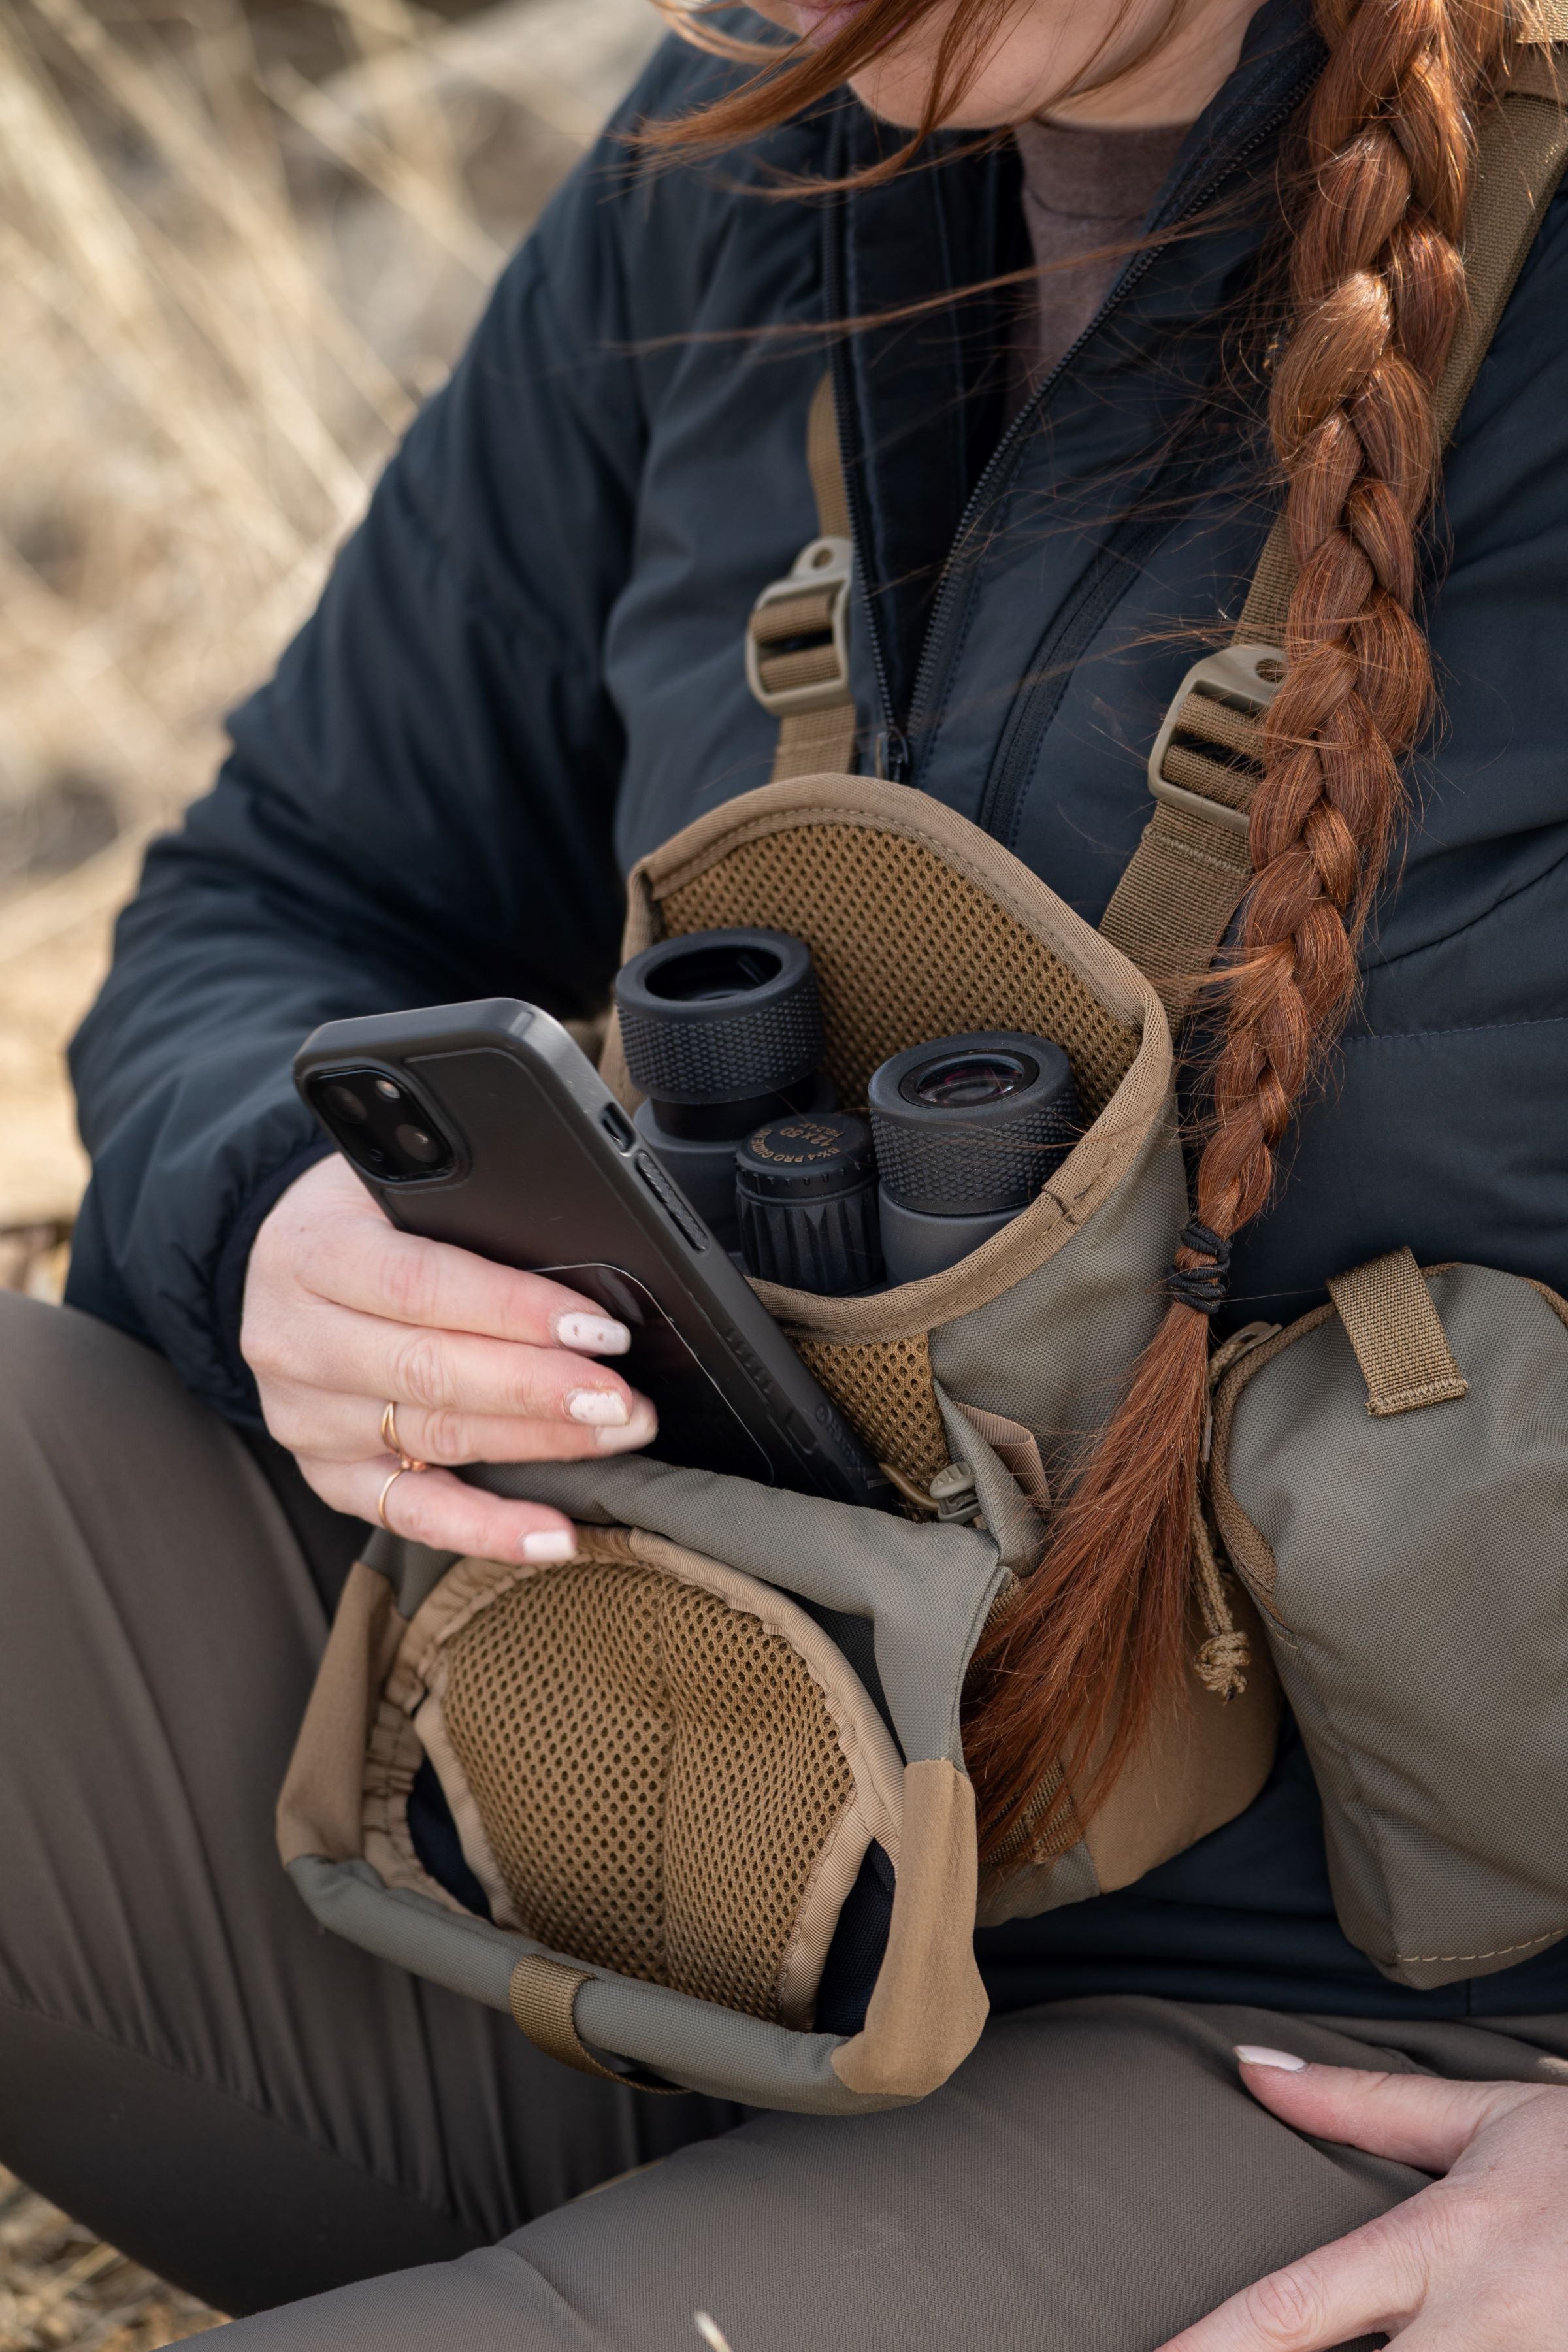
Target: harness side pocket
1390 1478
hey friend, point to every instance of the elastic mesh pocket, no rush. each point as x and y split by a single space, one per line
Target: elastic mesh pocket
886 1389
856 896
657 1772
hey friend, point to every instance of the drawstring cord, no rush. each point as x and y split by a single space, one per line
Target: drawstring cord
1225 1654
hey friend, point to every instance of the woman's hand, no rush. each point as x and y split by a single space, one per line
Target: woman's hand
344 1313
1477 2263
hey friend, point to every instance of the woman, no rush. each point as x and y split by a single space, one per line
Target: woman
525 672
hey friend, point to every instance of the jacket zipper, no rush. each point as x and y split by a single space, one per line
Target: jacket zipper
895 753
1037 705
892 745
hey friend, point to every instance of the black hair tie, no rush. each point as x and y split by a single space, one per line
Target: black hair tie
1203 1288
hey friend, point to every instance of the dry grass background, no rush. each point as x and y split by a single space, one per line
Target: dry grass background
238 244
239 241
62 2291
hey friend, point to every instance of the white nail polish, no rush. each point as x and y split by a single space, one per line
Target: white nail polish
601 1407
549 1543
1253 2053
637 1431
593 1335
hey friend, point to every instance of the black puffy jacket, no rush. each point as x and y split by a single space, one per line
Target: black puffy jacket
527 669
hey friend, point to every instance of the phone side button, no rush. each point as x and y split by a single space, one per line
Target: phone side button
800 1430
683 1219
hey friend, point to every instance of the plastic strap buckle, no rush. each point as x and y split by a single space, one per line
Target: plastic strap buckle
819 585
1238 684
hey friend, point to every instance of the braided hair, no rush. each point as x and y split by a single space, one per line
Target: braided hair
1376 293
1097 1640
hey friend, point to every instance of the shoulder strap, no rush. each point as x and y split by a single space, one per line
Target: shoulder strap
798 638
1175 903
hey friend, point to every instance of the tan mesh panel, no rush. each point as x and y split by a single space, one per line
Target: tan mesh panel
556 1711
885 1387
658 1775
757 1783
905 949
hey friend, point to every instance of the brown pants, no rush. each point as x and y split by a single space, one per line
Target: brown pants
263 2113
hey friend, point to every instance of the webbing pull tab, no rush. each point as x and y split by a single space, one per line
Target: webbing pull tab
1172 908
1219 705
797 637
1393 1325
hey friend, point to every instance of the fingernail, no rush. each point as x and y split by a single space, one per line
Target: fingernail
593 1335
1252 2053
549 1543
637 1431
605 1408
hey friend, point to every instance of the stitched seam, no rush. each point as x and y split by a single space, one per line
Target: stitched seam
1098 598
1460 1029
759 828
1497 1953
236 2098
1202 857
1426 947
1431 1392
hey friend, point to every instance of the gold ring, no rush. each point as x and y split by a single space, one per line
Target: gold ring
392 1442
401 1471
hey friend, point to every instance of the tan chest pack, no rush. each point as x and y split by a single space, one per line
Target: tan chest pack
709 1774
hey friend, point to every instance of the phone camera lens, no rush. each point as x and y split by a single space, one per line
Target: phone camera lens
345 1103
419 1143
388 1089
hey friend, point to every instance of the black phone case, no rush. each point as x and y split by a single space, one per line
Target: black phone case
550 1176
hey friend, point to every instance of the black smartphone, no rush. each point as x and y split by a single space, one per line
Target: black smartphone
487 1126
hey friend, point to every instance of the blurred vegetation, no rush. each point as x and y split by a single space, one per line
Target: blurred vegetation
62 2291
238 247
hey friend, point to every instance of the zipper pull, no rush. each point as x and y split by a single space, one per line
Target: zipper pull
893 756
952 1491
951 1495
1240 1343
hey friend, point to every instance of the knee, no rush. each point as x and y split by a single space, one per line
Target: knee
45 1350
71 1384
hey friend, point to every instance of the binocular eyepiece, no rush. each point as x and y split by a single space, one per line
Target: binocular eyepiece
967 1129
721 1031
722 1034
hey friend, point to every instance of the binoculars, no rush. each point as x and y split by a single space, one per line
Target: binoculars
722 1035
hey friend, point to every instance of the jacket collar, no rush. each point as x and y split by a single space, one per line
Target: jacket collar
922 403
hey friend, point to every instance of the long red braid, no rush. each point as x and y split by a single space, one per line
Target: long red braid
1101 1631
1377 288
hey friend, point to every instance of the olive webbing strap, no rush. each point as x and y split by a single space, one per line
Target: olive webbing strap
1175 903
542 1996
1391 1321
797 645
